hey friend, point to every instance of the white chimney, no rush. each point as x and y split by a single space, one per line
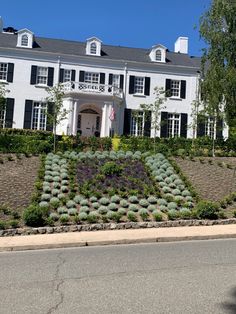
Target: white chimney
181 45
1 25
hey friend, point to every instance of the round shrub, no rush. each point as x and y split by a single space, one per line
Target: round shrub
143 202
72 211
55 173
189 198
45 197
93 217
178 182
54 216
64 218
162 201
35 216
133 208
181 187
77 199
131 216
95 205
143 213
121 211
84 202
45 183
70 204
84 209
55 192
172 185
44 204
48 178
112 207
172 205
93 199
166 189
173 214
168 180
133 200
151 208
46 189
185 213
163 208
62 210
159 178
113 216
54 202
174 177
186 193
61 196
124 203
152 200
115 199
162 184
102 210
157 215
64 176
176 192
104 201
56 179
82 216
178 198
207 210
64 189
56 185
64 182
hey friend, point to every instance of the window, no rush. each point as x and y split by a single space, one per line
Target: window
24 40
2 119
39 116
175 88
139 85
93 48
3 71
209 127
116 80
42 75
173 125
67 76
137 124
97 123
158 55
91 77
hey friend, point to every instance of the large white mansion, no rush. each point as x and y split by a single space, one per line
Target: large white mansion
103 85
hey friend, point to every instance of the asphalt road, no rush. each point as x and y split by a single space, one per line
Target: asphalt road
185 277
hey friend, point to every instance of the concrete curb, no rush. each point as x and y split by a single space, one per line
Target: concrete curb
101 238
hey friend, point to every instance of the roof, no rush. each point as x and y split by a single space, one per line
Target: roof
75 48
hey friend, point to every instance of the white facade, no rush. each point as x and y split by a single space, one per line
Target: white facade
103 84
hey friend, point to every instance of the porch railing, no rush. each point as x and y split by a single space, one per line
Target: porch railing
92 88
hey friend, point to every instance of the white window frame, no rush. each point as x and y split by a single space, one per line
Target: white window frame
139 83
67 75
116 80
24 40
173 124
158 55
137 123
210 128
175 87
92 77
93 48
3 71
39 116
42 78
2 118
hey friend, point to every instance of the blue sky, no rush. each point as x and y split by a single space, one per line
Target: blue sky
132 23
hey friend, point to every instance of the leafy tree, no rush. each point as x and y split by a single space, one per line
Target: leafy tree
218 29
3 92
155 109
57 113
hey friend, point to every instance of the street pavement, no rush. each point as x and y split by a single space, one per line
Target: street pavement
177 278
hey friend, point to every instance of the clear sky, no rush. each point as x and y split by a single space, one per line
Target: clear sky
132 23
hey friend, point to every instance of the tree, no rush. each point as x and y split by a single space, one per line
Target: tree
218 29
55 113
3 92
155 110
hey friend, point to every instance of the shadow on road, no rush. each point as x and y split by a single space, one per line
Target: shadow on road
230 306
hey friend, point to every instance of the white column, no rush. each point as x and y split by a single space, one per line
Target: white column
104 118
75 118
64 126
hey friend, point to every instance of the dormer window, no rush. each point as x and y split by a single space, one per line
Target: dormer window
93 48
158 55
24 40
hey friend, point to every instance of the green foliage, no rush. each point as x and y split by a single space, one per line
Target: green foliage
35 216
131 216
157 215
143 213
185 213
207 210
64 218
173 214
93 217
110 168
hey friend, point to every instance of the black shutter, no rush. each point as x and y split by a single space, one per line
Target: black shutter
81 76
9 112
131 84
73 75
121 81
168 87
183 90
50 76
127 120
219 128
33 74
110 79
201 121
184 125
164 124
61 76
147 86
28 114
102 78
49 126
10 72
147 123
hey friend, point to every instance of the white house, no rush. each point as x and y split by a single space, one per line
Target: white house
103 85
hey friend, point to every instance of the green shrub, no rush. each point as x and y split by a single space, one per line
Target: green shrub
173 214
133 200
70 204
102 210
185 213
104 201
115 199
121 211
93 217
3 225
157 215
172 205
93 199
82 216
72 211
133 207
207 210
14 223
84 209
110 168
35 216
111 215
84 202
143 202
78 199
143 213
54 216
64 218
54 202
152 200
112 207
124 203
131 216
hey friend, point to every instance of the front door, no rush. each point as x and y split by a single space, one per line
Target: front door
88 124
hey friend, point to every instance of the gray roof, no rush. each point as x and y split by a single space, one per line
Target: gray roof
75 48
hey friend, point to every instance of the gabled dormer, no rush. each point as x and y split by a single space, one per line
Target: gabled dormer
93 46
25 38
158 53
